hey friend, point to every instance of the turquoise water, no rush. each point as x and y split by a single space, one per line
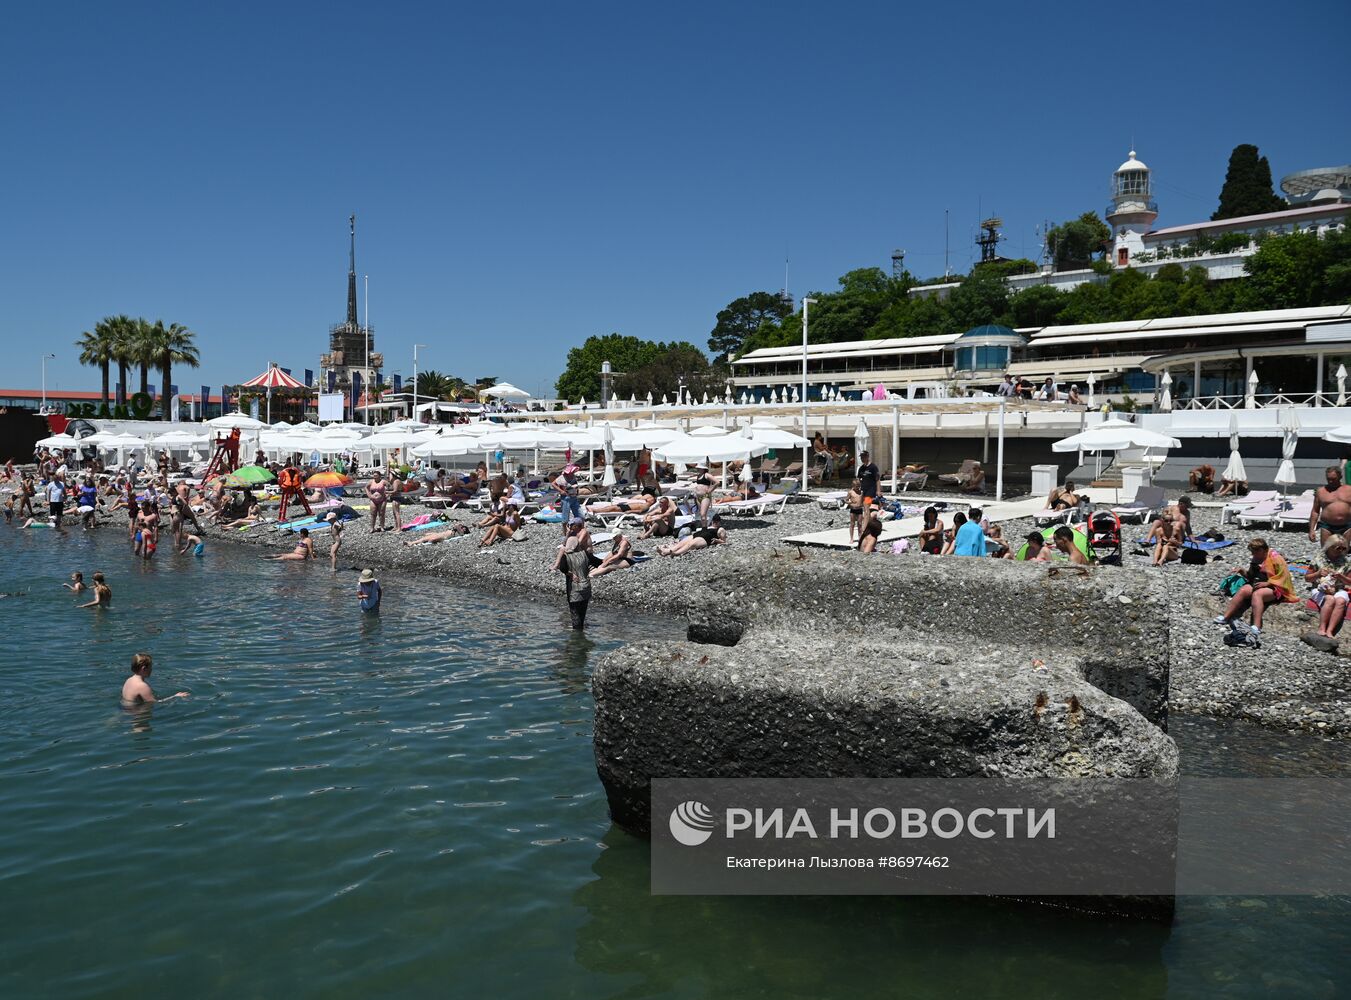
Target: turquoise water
407 804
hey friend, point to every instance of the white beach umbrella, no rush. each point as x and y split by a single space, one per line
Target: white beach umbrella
1285 473
862 439
97 439
689 450
505 390
1341 435
708 430
1341 385
241 420
607 443
1234 471
1166 397
775 437
180 440
1092 384
1115 435
446 446
58 441
1250 400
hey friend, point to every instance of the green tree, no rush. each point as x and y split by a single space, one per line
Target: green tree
122 330
982 297
1040 305
581 377
674 365
433 385
1285 273
1247 186
743 318
98 349
167 346
1075 244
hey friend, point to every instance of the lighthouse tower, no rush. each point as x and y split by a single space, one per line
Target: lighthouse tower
1132 211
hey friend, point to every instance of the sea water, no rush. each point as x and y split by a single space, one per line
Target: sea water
407 804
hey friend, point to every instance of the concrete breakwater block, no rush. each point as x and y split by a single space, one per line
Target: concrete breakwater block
836 667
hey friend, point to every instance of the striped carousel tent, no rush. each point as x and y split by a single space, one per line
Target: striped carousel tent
273 378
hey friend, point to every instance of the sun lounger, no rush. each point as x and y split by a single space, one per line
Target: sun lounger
906 480
1239 504
1265 512
963 473
786 487
1296 515
1149 500
833 500
1047 517
770 503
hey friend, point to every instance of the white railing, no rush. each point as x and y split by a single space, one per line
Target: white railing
1259 401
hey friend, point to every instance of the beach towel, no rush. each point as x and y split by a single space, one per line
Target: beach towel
415 522
1204 544
549 517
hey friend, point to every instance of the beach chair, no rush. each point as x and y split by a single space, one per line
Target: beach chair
769 468
962 474
1238 505
908 480
793 471
1149 500
769 503
833 500
1046 518
785 487
1265 512
1296 513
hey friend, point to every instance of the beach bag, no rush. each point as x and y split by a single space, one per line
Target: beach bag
1193 557
1231 584
900 547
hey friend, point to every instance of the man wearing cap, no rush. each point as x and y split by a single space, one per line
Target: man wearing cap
868 475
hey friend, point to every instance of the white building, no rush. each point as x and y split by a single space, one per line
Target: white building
1320 201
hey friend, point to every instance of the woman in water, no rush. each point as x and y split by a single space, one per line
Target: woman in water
303 550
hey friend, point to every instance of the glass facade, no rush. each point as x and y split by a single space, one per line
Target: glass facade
982 359
1131 182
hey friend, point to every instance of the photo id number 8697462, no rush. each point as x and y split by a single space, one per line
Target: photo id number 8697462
911 861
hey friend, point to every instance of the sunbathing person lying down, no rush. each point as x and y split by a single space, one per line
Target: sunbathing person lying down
440 536
638 505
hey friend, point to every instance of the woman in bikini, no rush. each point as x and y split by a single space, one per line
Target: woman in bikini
377 492
931 535
304 549
504 528
620 556
700 538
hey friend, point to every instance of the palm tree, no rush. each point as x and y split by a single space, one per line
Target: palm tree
121 330
143 349
98 348
434 385
169 346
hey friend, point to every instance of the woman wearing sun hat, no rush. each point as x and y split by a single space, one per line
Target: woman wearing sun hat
369 591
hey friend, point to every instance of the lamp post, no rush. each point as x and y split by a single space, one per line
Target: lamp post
367 326
806 445
415 350
45 359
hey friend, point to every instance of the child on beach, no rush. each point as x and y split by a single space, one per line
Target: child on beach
136 689
9 510
335 529
195 543
103 594
854 501
76 584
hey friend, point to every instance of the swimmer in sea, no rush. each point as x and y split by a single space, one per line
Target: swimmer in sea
103 594
136 689
77 584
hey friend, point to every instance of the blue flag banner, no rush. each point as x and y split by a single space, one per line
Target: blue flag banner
206 398
121 393
398 383
356 392
332 380
253 408
173 390
309 378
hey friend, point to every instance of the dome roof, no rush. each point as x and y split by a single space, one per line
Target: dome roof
1131 164
992 330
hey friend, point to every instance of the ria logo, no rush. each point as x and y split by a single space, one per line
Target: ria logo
692 823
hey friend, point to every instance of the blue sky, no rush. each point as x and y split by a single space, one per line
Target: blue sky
527 175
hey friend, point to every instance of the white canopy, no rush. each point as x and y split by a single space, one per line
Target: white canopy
58 441
1341 435
180 439
396 437
689 450
525 437
1115 435
241 420
775 437
505 390
446 446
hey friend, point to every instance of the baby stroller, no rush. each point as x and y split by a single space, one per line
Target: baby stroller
1104 537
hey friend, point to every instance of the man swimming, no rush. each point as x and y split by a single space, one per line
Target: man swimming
136 689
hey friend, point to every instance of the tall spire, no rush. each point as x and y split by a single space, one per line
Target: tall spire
352 276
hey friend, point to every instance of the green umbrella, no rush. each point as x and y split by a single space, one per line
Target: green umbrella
249 475
1080 543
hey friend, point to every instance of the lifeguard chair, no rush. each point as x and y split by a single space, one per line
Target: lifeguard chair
292 488
226 458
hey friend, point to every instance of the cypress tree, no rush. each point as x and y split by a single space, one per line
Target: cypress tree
1247 186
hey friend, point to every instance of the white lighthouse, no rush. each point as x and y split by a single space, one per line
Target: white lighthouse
1132 211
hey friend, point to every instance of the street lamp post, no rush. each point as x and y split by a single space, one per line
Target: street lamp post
45 359
806 444
415 350
367 295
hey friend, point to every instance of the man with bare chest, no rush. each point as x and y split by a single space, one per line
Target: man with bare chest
1331 507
